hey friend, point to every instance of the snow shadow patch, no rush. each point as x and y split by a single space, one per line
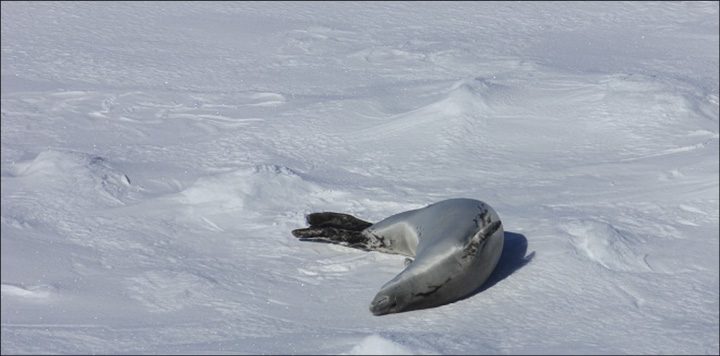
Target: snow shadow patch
513 258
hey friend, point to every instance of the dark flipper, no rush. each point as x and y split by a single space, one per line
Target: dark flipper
472 246
350 238
337 220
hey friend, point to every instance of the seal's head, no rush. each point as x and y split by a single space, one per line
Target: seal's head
395 296
384 304
441 274
404 293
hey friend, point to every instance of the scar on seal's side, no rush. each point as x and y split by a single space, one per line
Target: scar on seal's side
456 244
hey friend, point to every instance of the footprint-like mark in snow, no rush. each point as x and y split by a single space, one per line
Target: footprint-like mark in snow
265 99
607 245
38 292
167 291
388 55
333 267
692 209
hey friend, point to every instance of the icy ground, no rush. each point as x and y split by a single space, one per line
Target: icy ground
156 156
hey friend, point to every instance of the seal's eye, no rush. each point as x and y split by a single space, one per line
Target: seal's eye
382 301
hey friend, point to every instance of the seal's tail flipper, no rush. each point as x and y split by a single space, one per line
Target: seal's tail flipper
349 238
337 220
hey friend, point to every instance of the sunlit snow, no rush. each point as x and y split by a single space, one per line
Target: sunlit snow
156 156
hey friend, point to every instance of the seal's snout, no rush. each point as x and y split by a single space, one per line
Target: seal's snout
383 304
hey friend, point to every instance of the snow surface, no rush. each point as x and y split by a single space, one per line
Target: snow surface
156 156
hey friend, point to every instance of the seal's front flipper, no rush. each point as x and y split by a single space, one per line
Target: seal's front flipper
337 220
475 243
488 230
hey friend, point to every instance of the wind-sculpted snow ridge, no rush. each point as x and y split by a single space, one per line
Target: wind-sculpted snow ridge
44 187
608 246
251 189
77 172
377 345
439 121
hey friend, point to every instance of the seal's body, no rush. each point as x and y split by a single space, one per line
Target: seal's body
456 244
